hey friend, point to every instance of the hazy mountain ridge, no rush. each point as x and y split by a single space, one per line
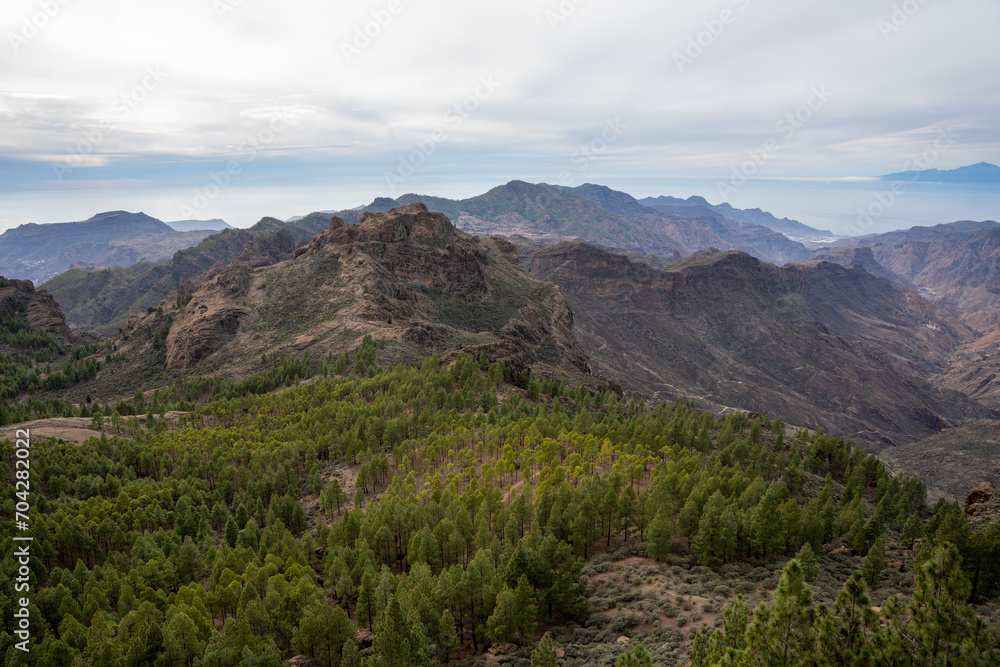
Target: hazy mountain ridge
38 252
755 216
545 213
698 227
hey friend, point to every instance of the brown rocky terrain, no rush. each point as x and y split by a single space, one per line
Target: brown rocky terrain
40 309
954 461
408 277
820 344
963 273
101 298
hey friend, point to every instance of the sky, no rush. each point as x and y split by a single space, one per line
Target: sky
244 108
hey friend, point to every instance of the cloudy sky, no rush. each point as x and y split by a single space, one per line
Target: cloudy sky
241 108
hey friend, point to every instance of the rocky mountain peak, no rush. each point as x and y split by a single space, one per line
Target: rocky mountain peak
400 224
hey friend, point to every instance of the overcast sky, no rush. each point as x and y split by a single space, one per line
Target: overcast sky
240 108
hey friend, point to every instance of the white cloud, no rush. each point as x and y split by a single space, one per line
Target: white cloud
226 72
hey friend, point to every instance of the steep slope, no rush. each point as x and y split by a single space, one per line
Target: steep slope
823 345
36 351
19 300
962 272
102 300
408 277
37 252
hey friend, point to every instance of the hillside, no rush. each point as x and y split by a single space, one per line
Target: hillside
447 512
38 352
38 252
102 300
823 345
962 272
408 275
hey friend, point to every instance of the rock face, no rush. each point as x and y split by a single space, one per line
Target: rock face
817 343
979 496
36 307
212 316
406 276
267 250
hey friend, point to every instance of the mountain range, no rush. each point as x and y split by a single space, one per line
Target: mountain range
885 339
38 252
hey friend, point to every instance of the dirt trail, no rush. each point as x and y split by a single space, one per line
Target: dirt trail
75 429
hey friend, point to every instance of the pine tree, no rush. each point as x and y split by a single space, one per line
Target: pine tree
807 559
366 599
544 654
783 633
941 620
502 623
637 656
716 535
395 642
660 533
447 639
232 532
527 608
873 565
913 529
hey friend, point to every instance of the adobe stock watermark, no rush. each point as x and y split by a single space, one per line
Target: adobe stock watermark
247 152
121 109
451 120
225 7
700 42
32 24
585 155
900 16
883 200
785 128
562 13
371 30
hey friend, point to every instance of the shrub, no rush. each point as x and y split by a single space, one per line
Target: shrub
625 621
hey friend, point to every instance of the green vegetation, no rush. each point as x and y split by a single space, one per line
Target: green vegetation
448 508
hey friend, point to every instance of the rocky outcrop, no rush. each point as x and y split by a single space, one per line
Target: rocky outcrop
406 275
212 316
979 496
267 250
36 307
